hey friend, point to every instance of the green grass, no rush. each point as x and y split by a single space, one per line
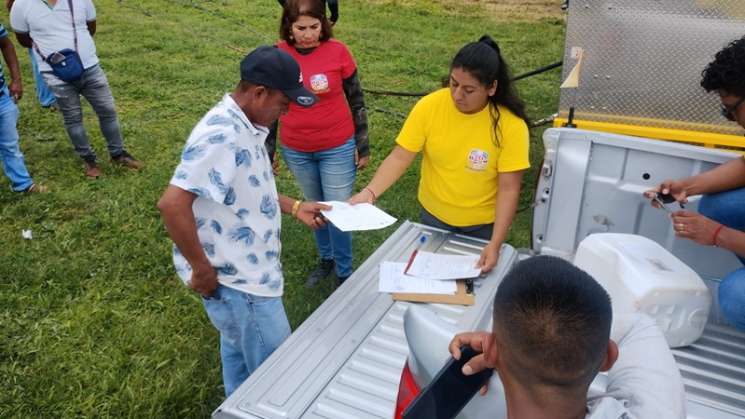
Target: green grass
93 322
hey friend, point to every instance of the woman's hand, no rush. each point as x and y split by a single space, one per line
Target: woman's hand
363 196
696 227
676 188
489 257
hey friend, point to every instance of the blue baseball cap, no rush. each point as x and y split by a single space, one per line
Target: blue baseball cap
276 69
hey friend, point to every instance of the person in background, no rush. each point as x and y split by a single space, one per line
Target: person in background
14 166
474 139
221 210
721 217
325 145
49 26
43 94
550 338
333 8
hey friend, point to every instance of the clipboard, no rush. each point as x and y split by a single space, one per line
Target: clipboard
460 297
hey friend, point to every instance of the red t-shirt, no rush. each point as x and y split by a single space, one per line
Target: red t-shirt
328 123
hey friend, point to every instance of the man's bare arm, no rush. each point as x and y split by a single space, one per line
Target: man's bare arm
176 209
24 39
9 53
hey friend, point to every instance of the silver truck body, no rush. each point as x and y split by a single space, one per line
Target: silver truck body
345 360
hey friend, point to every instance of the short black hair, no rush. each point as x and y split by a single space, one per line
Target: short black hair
555 319
727 71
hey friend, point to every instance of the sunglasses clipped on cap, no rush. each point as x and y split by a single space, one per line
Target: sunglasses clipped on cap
729 111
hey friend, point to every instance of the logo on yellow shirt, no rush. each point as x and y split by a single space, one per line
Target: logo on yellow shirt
478 159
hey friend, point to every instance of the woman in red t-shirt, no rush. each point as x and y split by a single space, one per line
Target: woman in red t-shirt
326 144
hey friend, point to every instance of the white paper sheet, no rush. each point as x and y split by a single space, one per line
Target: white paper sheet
444 267
357 217
392 279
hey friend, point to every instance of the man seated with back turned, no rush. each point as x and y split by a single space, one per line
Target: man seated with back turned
552 335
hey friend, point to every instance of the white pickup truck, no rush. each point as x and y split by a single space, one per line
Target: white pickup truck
346 359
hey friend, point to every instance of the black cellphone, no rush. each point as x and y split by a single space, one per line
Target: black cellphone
449 391
665 198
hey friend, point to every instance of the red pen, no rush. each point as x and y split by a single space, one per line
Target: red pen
422 240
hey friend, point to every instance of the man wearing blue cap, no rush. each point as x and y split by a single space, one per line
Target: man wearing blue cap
221 210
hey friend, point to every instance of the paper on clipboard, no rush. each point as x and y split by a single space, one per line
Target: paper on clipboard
357 217
393 280
443 267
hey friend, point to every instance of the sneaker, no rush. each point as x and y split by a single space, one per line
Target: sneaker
323 270
91 169
125 159
36 188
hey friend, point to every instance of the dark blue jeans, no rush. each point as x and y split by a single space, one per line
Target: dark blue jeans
327 175
480 231
728 208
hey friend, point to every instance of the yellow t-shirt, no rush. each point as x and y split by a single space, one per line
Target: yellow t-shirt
461 160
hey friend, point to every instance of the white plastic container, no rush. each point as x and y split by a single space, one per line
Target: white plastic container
642 276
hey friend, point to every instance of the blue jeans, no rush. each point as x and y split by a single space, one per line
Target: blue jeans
327 175
728 208
732 298
95 88
251 328
12 158
45 96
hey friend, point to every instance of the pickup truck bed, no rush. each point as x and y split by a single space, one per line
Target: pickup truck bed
713 370
345 360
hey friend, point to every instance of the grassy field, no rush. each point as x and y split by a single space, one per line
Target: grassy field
93 322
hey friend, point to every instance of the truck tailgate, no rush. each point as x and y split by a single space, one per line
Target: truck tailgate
345 360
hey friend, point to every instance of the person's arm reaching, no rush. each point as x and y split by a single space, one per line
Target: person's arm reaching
387 174
9 53
727 176
309 213
508 196
176 210
356 100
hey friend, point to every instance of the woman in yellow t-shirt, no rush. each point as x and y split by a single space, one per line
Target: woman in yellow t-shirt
474 140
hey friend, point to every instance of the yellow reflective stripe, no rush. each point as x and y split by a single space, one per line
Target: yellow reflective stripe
707 139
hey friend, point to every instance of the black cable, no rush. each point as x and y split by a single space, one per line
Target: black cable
412 94
538 71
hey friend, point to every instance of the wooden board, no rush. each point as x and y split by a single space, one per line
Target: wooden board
460 297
